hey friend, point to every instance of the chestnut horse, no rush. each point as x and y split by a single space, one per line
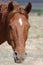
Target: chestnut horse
14 26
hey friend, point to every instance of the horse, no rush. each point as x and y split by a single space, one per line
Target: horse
14 26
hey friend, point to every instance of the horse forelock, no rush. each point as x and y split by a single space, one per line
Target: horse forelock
18 9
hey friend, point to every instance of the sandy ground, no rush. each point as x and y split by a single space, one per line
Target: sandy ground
34 45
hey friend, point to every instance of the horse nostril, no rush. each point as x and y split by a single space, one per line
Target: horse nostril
16 53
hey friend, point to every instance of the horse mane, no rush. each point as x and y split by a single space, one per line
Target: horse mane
3 7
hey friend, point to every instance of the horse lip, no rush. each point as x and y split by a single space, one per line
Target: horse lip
18 61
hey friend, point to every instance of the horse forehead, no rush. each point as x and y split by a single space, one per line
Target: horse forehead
20 21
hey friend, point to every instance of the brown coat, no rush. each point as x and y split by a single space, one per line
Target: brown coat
3 10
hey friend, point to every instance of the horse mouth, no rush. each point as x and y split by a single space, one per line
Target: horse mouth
19 60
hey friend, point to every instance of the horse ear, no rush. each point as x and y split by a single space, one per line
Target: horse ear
28 7
10 6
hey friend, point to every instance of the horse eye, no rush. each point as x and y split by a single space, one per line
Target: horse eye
10 27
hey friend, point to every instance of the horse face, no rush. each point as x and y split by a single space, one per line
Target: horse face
17 35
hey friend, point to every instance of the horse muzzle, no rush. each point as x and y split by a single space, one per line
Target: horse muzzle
18 58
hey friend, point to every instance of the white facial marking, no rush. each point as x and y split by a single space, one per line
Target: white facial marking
20 21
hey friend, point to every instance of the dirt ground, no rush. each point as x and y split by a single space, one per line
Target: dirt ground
34 45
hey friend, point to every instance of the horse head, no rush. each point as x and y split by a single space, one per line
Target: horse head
17 29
